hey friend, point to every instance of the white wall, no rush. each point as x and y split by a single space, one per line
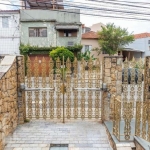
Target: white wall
10 37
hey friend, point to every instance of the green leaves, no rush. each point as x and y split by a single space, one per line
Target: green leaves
112 39
27 49
60 52
86 56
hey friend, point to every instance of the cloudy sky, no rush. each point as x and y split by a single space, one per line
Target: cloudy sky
135 26
5 7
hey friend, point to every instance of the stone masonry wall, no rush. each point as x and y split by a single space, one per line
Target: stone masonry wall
112 76
21 93
9 98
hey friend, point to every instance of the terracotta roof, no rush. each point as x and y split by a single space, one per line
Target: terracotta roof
141 35
90 35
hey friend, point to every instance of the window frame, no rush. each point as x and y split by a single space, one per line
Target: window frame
37 31
8 23
67 33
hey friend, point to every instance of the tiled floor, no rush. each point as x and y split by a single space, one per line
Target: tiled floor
37 135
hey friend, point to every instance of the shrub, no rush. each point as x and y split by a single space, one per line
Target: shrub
60 52
86 56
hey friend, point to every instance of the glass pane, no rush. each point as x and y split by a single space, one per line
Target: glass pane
32 32
43 32
5 22
86 47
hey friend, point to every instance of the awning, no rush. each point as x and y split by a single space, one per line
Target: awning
133 50
68 27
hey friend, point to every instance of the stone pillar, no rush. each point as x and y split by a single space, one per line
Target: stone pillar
21 93
112 76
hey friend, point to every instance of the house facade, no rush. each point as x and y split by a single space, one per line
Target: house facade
90 39
139 48
9 32
90 42
45 28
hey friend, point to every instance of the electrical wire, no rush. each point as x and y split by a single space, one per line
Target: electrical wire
118 3
106 16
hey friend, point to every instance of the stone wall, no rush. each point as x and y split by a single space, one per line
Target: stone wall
112 76
21 93
9 98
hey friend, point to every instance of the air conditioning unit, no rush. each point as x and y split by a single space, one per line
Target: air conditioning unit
70 43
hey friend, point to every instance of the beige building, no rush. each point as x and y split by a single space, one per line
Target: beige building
90 40
97 27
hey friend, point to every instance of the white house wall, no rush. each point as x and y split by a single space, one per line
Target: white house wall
10 37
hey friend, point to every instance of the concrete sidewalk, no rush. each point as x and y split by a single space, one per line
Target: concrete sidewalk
39 134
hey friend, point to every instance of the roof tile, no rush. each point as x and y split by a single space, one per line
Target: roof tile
90 35
141 35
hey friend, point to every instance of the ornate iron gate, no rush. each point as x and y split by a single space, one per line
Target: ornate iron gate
63 90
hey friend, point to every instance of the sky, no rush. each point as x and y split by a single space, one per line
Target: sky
133 26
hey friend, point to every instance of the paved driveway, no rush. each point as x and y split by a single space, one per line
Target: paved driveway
39 134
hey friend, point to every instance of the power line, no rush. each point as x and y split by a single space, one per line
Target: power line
122 1
117 3
106 16
103 9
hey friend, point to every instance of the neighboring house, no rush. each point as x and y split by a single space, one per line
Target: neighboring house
139 48
45 28
85 29
97 27
90 42
9 32
90 39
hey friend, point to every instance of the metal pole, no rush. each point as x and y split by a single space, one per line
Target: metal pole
63 93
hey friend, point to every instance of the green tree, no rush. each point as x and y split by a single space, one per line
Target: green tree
60 52
113 39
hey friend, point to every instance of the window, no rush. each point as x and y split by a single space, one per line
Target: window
37 32
5 22
67 33
88 47
70 43
104 52
148 41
